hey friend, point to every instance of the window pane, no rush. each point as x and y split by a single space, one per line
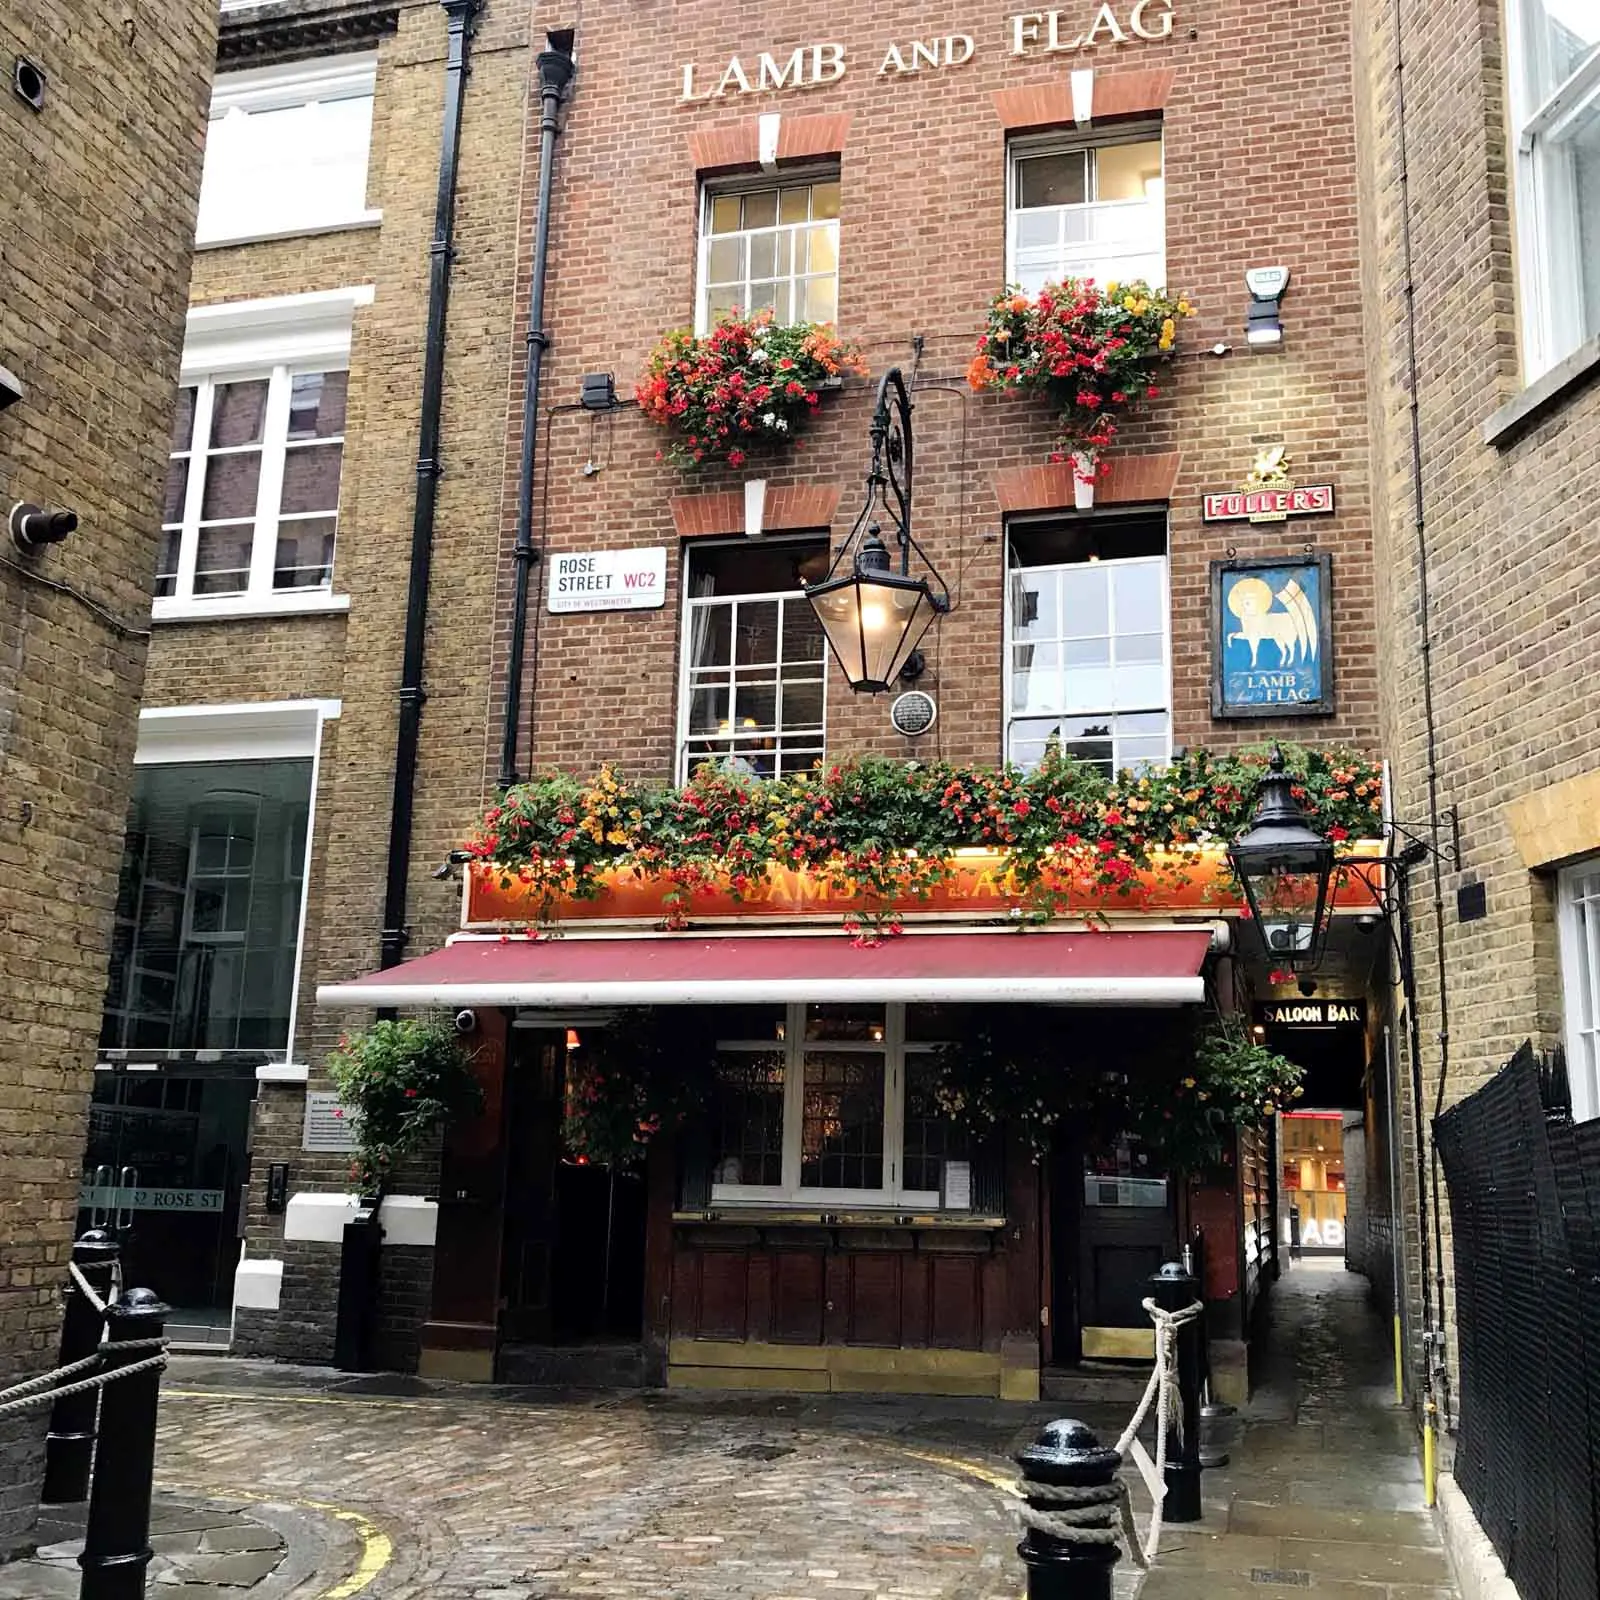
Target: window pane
794 205
311 479
230 488
725 213
761 209
841 1133
823 249
1561 35
177 489
708 710
820 300
167 563
238 412
755 707
1053 180
824 200
930 1139
725 262
757 639
183 419
764 255
1136 591
802 633
802 705
305 554
749 1119
222 560
857 1023
317 404
1128 171
710 635
208 909
1085 603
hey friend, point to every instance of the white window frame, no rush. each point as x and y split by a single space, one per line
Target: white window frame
1013 716
1549 266
794 1046
307 84
1028 146
268 730
1578 919
692 605
252 339
713 190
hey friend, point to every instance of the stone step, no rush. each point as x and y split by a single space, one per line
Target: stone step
586 1366
1094 1384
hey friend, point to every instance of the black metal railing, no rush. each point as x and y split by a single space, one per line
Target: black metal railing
1525 1214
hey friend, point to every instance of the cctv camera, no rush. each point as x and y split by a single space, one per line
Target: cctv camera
1307 987
466 1022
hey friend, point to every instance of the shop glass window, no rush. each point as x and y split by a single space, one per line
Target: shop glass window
754 660
841 1109
207 925
1081 210
1554 72
287 150
252 499
1088 643
771 248
1578 913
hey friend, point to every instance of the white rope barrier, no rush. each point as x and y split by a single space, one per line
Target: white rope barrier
85 1288
47 1388
1103 1513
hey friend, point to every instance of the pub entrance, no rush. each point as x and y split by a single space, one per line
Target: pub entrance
572 1265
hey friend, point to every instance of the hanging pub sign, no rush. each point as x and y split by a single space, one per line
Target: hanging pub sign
1268 494
609 580
1331 1013
1272 637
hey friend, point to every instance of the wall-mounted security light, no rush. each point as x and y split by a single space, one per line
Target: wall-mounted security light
1263 325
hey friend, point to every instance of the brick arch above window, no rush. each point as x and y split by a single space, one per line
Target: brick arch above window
1134 480
731 145
1110 94
788 508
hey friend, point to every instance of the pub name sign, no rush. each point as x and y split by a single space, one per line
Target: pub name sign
1070 30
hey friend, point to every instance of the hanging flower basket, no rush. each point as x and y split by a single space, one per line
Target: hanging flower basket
748 384
1096 353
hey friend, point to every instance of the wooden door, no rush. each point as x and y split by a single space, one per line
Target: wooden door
536 1077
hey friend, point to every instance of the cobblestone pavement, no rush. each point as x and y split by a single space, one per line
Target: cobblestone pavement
510 1495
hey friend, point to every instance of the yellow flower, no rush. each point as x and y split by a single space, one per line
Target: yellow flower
1111 289
1169 329
1185 309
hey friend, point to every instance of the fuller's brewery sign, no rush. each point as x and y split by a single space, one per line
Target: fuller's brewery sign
1071 30
1269 494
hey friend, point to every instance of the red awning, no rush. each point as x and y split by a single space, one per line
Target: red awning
1158 967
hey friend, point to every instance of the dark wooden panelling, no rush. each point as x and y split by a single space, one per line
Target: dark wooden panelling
723 1298
836 1320
914 1291
797 1296
957 1321
874 1299
760 1292
685 1293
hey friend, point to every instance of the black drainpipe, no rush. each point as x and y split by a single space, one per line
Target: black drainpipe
555 73
460 15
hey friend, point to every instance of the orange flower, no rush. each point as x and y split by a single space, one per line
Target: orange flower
979 374
1019 303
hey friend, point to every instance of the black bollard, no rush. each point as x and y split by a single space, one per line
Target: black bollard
69 1446
116 1542
358 1291
1067 1455
1173 1289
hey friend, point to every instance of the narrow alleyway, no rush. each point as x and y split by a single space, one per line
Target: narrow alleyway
1324 1491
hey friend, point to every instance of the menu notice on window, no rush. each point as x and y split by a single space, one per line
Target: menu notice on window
956 1190
327 1125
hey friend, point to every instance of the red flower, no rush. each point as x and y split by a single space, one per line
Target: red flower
411 1094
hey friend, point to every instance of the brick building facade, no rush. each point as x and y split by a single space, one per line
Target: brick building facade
904 140
1477 215
101 146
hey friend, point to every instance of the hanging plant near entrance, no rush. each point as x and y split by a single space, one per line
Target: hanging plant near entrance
648 1070
399 1082
1183 1089
1096 352
749 384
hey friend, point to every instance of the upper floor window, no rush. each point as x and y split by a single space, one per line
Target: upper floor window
1554 62
257 452
774 247
1085 210
286 150
1088 651
1578 912
754 659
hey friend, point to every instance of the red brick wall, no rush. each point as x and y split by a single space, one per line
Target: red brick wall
1259 170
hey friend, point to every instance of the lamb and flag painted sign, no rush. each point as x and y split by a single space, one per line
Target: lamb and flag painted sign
1268 494
1272 636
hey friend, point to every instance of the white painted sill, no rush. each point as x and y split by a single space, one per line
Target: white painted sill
283 1072
364 219
235 607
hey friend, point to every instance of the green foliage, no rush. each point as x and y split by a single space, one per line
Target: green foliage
399 1082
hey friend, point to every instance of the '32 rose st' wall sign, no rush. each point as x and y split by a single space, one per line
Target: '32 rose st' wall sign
1068 31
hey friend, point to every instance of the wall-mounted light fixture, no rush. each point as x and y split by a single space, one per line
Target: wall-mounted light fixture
1264 326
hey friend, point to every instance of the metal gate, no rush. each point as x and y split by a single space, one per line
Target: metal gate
1525 1210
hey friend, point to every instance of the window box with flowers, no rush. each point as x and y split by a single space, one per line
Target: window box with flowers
749 384
1096 352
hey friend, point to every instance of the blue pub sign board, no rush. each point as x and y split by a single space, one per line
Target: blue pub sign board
1272 637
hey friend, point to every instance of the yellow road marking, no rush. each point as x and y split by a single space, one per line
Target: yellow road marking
971 1469
377 1548
234 1396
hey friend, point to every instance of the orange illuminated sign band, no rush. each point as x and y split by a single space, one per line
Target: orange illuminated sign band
977 885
